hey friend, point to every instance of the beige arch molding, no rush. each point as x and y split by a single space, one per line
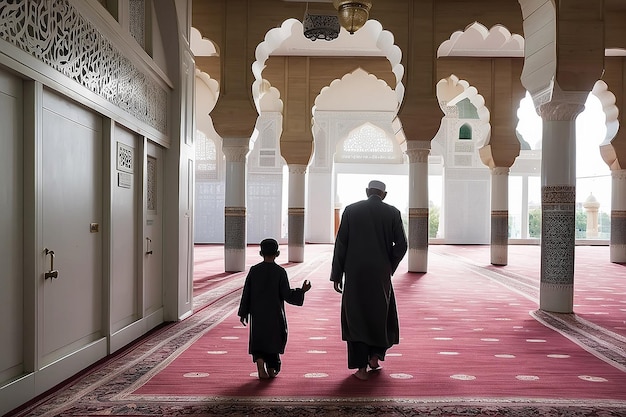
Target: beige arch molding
288 38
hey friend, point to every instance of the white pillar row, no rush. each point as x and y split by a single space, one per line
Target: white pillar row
558 206
295 212
235 151
618 216
499 215
418 152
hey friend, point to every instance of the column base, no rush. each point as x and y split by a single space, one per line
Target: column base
418 260
618 253
296 253
556 298
234 260
499 254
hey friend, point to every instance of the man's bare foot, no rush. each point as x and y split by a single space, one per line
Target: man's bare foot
373 363
260 367
361 374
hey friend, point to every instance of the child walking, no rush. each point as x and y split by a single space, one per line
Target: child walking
263 300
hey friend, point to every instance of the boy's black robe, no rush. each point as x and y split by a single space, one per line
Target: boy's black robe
264 295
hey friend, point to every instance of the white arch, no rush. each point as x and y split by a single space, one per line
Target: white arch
611 112
357 91
477 40
207 93
451 90
372 39
201 46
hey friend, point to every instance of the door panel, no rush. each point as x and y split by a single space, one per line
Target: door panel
124 276
154 231
71 190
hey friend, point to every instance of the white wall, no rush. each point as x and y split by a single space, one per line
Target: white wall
58 176
11 227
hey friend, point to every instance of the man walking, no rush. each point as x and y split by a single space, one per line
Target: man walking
370 244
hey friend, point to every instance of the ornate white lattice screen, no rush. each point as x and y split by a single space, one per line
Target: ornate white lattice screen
206 157
137 25
73 46
368 143
151 192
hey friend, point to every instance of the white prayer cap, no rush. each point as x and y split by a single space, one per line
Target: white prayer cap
378 185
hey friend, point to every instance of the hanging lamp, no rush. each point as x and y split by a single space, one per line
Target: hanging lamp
352 14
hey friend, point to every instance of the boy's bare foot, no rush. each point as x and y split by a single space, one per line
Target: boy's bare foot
272 372
260 367
361 374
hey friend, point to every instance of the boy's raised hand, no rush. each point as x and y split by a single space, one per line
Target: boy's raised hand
306 285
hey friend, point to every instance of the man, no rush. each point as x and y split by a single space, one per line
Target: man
369 247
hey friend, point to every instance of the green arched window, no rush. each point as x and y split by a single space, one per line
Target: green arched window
465 132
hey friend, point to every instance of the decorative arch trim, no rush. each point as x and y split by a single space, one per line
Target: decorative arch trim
478 41
382 41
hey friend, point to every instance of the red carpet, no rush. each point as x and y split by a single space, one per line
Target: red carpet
463 335
472 343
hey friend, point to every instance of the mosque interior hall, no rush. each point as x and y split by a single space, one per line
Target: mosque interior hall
148 146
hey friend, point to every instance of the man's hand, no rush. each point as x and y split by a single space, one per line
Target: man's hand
306 285
338 287
244 320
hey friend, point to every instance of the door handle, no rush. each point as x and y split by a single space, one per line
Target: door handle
148 246
52 273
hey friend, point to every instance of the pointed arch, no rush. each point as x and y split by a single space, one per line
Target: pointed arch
465 132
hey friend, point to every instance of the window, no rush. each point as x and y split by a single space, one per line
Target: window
465 132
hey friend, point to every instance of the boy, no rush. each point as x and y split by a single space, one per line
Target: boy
263 300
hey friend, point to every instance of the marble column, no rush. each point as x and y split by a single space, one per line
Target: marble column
558 206
618 216
418 152
295 213
499 215
235 205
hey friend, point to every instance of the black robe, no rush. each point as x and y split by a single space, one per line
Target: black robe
370 244
263 299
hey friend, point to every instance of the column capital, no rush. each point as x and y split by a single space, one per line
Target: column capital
297 169
235 153
418 150
619 174
555 111
418 155
500 171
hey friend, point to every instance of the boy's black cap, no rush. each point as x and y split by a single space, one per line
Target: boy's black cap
269 247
